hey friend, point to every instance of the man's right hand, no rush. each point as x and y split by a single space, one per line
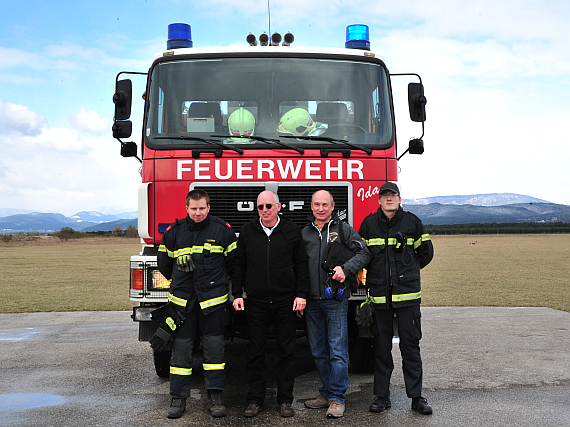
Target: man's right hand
238 304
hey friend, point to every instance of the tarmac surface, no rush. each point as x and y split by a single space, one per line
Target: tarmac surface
482 367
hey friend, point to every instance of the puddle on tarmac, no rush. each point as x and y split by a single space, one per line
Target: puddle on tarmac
18 335
21 401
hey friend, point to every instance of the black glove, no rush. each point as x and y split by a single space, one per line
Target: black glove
162 338
364 313
185 263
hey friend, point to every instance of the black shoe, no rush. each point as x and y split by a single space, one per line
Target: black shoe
286 410
252 410
421 406
216 404
380 404
177 407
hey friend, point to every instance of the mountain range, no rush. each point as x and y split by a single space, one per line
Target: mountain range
475 208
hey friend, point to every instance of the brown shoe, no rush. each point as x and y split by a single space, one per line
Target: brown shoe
317 403
252 410
287 410
336 409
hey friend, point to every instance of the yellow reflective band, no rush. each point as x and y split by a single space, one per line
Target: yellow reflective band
213 249
406 297
164 249
230 248
375 242
180 371
213 366
213 301
378 300
178 301
170 322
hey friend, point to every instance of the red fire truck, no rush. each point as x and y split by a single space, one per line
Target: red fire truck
307 119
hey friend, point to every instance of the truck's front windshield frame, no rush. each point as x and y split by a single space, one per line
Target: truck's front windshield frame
268 101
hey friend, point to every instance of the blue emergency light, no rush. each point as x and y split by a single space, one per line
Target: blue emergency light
357 37
179 35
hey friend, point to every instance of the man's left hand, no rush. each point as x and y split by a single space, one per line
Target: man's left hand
299 305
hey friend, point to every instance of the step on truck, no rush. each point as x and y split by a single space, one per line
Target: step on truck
306 119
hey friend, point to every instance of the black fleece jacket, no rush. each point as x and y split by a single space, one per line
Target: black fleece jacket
270 268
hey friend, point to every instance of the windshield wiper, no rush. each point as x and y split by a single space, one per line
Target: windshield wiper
207 141
333 140
268 141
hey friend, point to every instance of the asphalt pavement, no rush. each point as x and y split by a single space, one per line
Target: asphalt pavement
483 366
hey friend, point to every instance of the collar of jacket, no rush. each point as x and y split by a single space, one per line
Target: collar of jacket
286 226
192 225
396 216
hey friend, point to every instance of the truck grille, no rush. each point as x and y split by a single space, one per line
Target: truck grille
236 204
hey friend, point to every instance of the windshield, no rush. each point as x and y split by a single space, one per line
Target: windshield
262 102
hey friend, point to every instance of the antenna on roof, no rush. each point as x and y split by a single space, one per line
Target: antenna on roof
269 17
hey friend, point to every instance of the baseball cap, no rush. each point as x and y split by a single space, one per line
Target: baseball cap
390 186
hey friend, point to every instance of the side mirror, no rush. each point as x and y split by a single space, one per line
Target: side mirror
122 99
417 102
416 146
122 129
129 149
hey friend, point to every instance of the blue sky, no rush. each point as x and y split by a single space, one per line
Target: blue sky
496 75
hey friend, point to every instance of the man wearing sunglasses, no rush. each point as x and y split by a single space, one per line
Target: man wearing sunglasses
270 266
400 247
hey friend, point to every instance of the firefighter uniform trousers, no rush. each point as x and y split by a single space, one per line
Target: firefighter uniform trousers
410 333
211 329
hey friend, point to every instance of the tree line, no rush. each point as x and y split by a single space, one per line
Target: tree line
500 228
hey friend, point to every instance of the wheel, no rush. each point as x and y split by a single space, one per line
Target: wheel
162 363
360 349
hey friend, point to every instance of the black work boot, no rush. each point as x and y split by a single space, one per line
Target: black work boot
421 406
177 407
380 404
216 404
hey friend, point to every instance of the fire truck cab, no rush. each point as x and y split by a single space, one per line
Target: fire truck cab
235 121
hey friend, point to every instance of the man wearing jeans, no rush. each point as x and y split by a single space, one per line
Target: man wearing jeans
327 304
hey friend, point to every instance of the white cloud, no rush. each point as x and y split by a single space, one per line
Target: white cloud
90 122
18 119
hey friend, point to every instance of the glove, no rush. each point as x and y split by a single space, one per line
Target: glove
364 313
185 263
162 338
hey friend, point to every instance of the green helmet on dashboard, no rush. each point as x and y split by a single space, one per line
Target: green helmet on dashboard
297 122
241 123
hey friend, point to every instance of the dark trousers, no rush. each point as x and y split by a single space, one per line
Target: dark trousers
211 329
260 315
410 332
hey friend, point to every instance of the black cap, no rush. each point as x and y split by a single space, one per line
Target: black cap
390 186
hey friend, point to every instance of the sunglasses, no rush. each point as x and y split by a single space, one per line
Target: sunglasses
267 206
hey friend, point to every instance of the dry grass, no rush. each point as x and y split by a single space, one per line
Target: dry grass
499 270
93 273
76 275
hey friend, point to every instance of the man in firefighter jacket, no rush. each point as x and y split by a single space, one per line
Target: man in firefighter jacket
271 266
197 254
400 247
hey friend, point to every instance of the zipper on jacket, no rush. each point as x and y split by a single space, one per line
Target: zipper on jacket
267 263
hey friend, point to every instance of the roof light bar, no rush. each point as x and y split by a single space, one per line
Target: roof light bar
179 36
357 37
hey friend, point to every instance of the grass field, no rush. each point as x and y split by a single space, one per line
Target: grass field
480 270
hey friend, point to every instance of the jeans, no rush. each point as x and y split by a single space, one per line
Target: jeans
327 329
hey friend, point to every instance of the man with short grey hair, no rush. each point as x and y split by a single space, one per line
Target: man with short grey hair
270 282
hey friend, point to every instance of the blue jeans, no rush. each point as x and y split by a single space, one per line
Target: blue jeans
327 329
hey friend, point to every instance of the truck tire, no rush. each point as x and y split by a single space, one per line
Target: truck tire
360 349
162 363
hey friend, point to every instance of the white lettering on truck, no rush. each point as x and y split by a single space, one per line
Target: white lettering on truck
265 169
